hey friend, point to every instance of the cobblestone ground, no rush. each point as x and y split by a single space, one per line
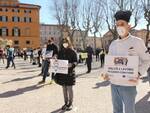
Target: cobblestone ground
19 92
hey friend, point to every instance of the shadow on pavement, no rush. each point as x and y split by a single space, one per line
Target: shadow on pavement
25 68
58 111
29 71
145 79
19 79
143 105
81 74
19 91
102 84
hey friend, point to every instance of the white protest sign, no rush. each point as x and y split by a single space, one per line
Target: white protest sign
121 68
28 53
59 66
49 54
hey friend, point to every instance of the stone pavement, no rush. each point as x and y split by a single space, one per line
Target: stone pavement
19 92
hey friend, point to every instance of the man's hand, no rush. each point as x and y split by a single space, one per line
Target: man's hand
70 65
135 80
105 76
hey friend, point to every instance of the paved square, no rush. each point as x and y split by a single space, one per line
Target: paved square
19 92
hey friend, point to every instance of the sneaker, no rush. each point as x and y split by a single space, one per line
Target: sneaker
41 82
48 75
7 67
88 71
40 74
51 82
64 107
69 107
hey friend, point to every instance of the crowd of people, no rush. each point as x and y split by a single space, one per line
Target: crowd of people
42 57
125 45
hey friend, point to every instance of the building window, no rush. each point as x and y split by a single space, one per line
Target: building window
6 10
27 11
3 18
16 42
30 20
3 31
15 19
27 42
27 19
16 32
16 10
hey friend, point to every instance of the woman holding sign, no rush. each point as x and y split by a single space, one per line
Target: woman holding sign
67 80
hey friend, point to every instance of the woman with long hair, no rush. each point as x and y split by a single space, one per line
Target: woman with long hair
67 80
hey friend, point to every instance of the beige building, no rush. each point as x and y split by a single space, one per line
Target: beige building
47 31
91 41
78 42
140 33
107 38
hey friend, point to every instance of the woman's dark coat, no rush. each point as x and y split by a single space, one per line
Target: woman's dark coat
67 79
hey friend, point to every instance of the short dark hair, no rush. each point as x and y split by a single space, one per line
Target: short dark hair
49 41
52 38
123 15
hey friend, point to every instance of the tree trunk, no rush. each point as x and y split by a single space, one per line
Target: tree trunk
147 34
95 41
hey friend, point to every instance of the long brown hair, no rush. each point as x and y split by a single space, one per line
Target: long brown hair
67 39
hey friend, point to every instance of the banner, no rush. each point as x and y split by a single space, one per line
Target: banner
59 66
49 54
83 55
121 68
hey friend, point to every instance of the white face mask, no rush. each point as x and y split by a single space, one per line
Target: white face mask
65 45
121 31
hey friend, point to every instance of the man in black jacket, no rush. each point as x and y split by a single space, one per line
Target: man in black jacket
89 51
51 47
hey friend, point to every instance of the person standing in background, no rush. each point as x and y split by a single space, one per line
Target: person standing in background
89 51
10 56
102 57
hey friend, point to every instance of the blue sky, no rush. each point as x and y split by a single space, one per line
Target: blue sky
46 13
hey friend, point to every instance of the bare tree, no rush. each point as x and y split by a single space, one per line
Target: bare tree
111 7
84 22
66 12
146 8
97 15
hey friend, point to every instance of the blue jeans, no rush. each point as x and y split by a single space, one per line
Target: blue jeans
45 69
123 97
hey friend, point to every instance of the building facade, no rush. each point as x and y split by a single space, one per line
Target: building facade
19 22
47 31
107 38
78 42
